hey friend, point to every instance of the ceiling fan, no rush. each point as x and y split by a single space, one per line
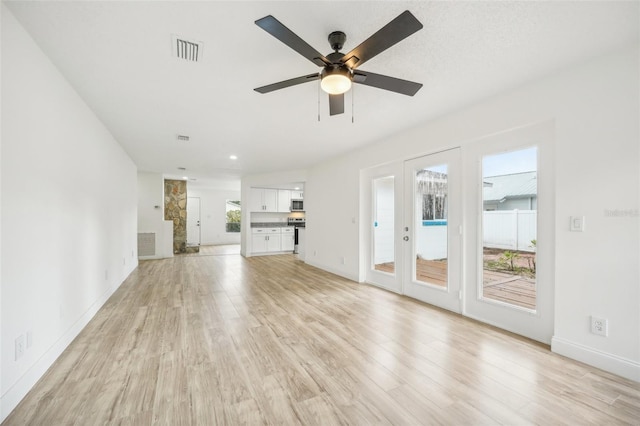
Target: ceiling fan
340 70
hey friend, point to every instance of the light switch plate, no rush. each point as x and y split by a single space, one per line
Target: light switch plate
577 224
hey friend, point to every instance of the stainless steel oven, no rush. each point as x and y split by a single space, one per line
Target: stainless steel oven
298 222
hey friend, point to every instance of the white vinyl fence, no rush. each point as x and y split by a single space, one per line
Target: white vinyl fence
502 229
509 229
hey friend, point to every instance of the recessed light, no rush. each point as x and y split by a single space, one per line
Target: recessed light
297 188
185 178
233 157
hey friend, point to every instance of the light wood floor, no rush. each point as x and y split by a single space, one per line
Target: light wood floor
220 339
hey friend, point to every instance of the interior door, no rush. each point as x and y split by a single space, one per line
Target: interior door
193 221
432 229
509 216
384 226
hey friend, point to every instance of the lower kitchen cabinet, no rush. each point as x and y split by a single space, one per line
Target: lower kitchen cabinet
270 240
288 237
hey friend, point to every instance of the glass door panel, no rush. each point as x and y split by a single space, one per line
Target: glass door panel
509 224
431 225
384 224
383 220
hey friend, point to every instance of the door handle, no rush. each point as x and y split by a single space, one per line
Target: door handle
406 238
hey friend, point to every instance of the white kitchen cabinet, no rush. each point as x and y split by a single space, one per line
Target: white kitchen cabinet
263 200
288 235
297 195
265 240
273 242
284 200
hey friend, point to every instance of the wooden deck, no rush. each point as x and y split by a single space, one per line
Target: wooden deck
498 286
512 289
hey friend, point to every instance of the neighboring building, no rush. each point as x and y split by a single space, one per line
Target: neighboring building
511 192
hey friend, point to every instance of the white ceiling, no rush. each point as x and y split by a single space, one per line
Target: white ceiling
118 56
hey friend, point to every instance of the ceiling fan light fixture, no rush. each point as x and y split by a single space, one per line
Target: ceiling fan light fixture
336 81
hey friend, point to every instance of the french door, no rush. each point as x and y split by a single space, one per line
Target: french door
414 228
509 219
432 229
384 257
485 209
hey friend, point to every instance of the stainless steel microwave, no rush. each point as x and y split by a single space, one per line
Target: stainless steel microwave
297 205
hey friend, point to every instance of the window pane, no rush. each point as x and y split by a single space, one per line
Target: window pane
509 224
233 216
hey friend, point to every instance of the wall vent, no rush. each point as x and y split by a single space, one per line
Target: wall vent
183 138
147 244
188 50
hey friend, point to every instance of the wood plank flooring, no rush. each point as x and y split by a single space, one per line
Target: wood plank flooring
220 339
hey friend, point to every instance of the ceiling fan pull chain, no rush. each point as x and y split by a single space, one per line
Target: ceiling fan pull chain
353 95
319 90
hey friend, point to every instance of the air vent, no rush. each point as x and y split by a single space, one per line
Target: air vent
183 138
188 50
147 244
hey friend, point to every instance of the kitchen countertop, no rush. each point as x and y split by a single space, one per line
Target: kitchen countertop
270 225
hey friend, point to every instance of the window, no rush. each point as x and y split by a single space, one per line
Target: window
233 216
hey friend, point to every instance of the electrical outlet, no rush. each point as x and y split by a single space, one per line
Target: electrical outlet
19 347
599 326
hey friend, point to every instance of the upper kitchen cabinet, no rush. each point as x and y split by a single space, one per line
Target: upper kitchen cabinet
263 200
297 195
284 200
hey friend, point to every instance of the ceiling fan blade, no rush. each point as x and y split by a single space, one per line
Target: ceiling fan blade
395 31
287 83
288 37
385 82
336 104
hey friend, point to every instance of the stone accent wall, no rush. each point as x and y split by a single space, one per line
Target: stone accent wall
175 209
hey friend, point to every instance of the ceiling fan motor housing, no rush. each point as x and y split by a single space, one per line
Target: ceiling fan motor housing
337 39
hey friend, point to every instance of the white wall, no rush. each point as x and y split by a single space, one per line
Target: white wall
68 212
595 107
213 214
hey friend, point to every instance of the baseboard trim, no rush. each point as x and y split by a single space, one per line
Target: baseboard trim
12 397
623 367
342 274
